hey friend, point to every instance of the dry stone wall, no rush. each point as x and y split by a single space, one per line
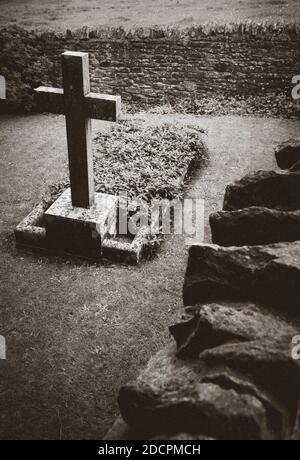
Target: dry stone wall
157 66
233 373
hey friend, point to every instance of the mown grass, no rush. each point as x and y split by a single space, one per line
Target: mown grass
76 332
62 14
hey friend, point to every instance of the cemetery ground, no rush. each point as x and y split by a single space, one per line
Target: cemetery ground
77 331
62 14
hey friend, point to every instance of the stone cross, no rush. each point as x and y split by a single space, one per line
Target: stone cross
79 106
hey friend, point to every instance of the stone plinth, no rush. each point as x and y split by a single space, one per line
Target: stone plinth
80 231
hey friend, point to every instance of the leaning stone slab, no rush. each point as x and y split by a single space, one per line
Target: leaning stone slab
212 325
270 189
267 363
288 153
253 226
169 398
270 274
278 415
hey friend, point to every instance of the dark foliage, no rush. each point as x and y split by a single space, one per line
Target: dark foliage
25 67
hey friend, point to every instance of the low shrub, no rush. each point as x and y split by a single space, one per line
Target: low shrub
147 161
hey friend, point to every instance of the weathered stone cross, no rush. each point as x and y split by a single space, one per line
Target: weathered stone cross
79 105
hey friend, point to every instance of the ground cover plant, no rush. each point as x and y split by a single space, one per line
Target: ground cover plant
24 66
145 161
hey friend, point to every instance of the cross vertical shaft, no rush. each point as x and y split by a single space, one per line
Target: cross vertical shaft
76 83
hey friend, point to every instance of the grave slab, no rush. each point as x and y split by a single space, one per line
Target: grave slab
80 231
30 233
78 222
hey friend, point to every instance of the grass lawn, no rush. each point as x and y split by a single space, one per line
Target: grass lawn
75 332
63 14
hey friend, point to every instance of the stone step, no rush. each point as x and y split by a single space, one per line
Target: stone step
254 226
169 397
288 153
270 189
269 274
211 325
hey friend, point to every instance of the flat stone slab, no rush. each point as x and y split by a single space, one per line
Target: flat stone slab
267 363
270 189
269 274
95 217
288 153
211 325
170 397
253 226
80 231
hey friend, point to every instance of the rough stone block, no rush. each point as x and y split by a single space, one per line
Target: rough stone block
288 153
170 397
270 189
255 225
211 325
268 274
267 363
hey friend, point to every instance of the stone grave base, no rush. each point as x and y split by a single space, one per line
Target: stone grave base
80 231
58 228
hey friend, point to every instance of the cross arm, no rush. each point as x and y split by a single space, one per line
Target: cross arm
50 99
97 106
102 106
